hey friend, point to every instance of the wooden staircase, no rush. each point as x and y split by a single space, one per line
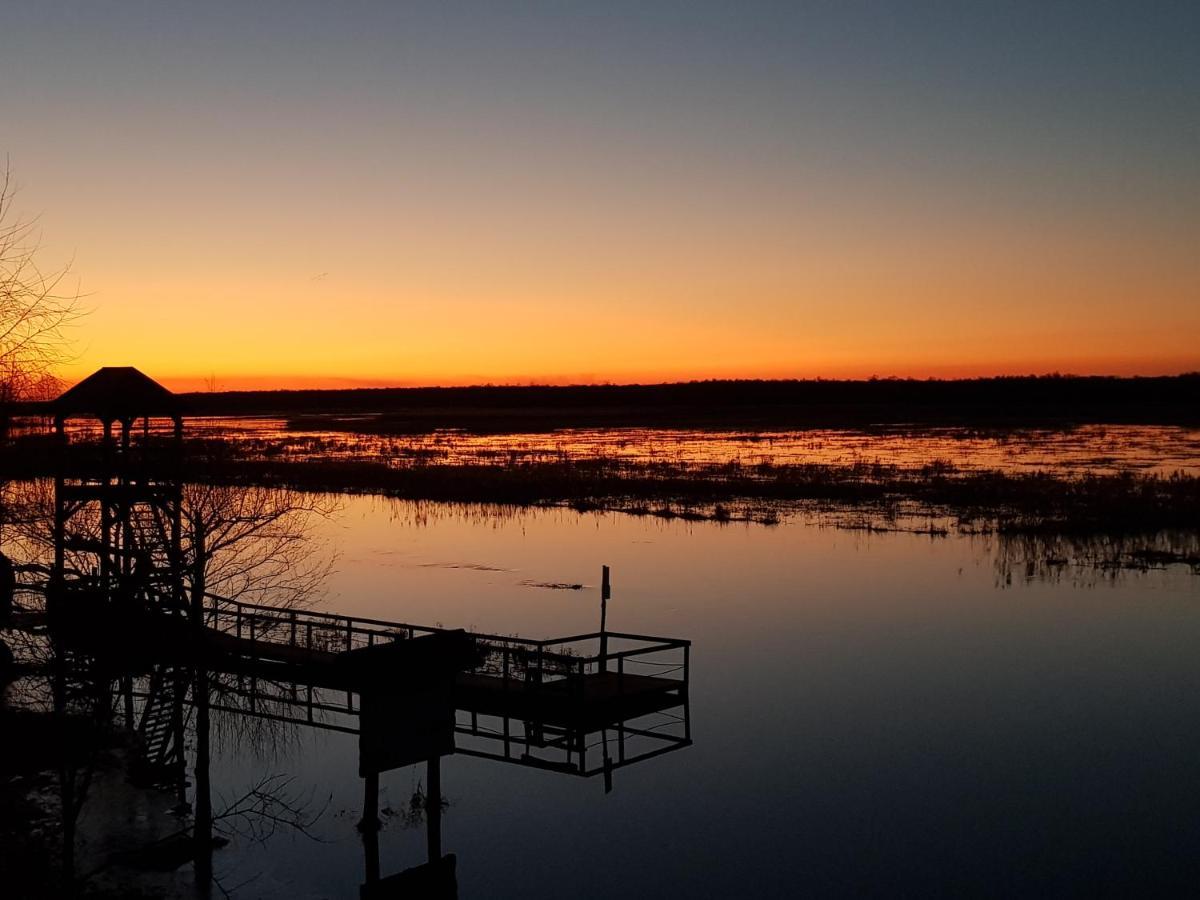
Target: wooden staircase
161 761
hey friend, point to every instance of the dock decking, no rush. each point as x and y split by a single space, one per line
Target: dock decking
573 681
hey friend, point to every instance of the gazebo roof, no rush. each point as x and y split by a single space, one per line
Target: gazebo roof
117 392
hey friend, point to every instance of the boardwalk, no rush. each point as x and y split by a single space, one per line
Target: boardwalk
512 695
579 680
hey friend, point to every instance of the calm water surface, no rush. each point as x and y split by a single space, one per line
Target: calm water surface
872 715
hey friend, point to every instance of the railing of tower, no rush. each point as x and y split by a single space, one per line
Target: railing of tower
515 661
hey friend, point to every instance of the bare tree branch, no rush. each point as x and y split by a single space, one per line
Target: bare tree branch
36 312
269 805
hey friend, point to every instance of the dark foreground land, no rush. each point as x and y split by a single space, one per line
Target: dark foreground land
1008 402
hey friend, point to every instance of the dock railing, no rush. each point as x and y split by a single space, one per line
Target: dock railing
519 663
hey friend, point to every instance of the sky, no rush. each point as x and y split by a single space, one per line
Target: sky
320 194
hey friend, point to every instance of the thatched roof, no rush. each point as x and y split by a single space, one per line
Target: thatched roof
117 392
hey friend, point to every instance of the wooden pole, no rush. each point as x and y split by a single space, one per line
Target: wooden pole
106 510
66 776
370 838
202 834
59 502
608 766
433 808
605 593
125 560
370 816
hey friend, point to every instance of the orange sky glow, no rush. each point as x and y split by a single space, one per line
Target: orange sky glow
284 201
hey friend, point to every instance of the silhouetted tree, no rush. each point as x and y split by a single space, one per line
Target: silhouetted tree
34 310
255 543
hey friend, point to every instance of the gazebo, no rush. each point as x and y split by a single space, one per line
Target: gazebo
117 394
112 508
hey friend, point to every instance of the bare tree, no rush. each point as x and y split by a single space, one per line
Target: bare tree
35 309
249 543
255 543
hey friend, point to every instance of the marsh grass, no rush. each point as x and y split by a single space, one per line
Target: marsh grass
1012 502
757 489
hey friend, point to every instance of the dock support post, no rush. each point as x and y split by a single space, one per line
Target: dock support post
202 828
433 807
370 817
608 765
370 838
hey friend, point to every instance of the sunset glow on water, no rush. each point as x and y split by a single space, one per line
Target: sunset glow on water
1097 449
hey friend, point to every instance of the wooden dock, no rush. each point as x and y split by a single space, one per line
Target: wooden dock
513 698
569 680
577 681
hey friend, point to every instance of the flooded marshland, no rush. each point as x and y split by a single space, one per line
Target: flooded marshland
1083 449
1096 449
1116 479
855 702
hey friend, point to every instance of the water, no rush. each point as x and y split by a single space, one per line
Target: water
872 715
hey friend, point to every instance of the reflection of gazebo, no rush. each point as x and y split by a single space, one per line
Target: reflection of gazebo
118 511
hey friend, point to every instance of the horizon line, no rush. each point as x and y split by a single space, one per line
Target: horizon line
192 385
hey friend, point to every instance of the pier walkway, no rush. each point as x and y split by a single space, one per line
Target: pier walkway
513 696
579 680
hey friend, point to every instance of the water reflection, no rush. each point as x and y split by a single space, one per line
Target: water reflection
1085 560
121 641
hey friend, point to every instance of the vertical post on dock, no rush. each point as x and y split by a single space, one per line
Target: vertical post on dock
370 837
60 517
370 816
202 827
605 593
608 766
106 510
125 560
